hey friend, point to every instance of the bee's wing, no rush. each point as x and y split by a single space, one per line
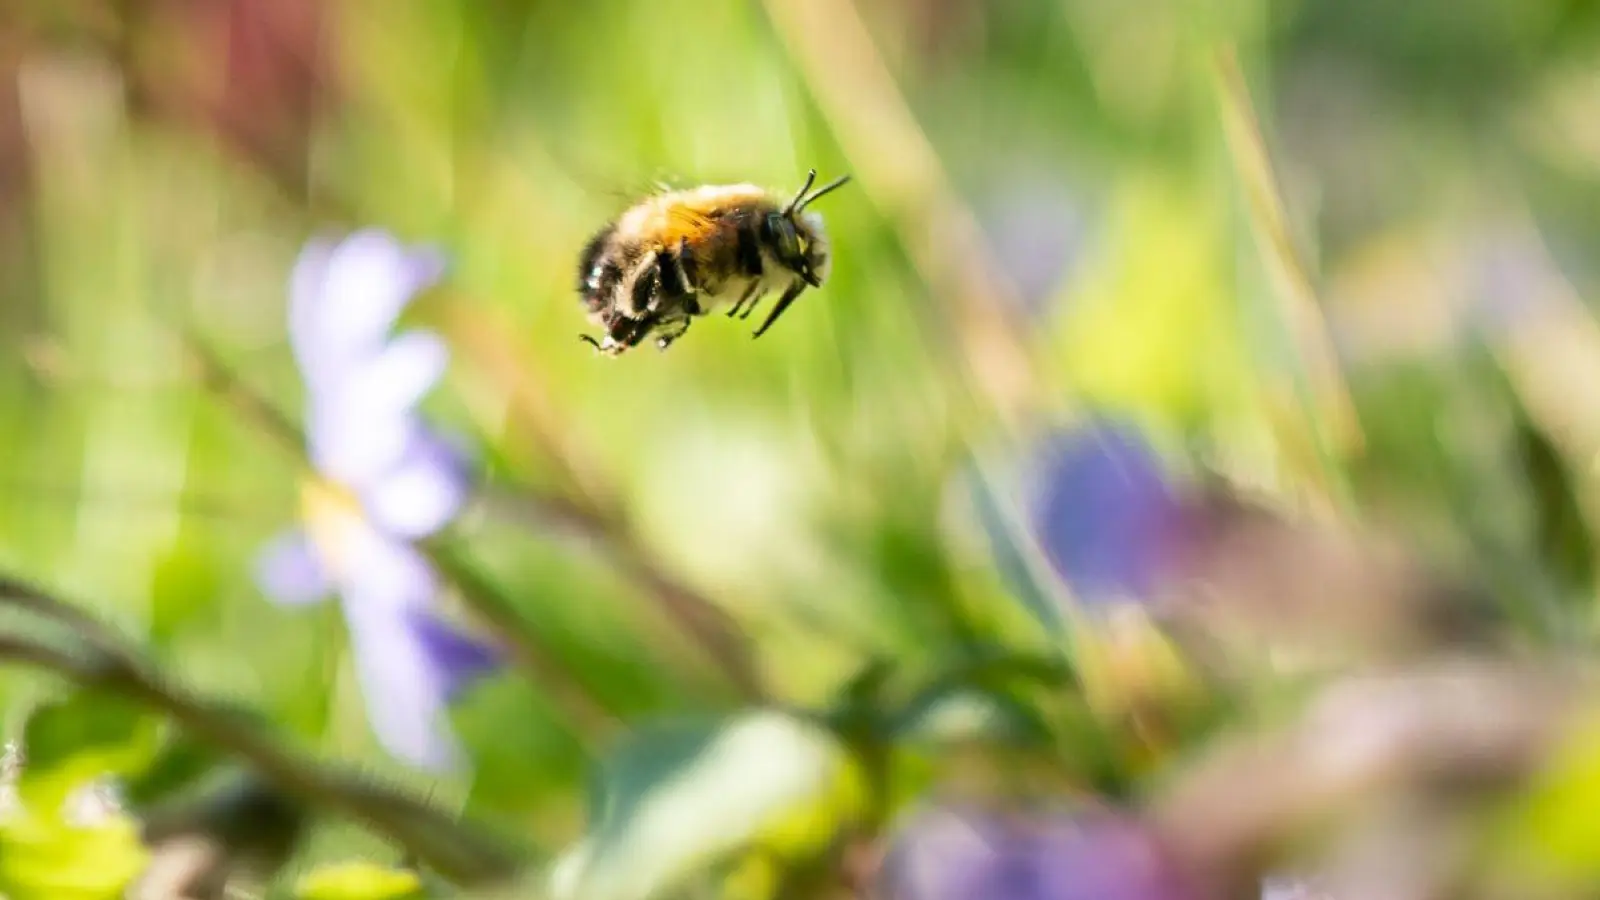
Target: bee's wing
628 189
618 187
685 223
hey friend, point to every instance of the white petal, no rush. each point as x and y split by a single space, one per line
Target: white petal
370 279
423 493
404 692
382 571
355 445
400 375
306 290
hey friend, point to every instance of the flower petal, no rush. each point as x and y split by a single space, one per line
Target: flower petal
306 303
356 446
950 853
383 573
459 658
344 300
405 693
423 492
385 585
370 279
1103 511
398 376
288 571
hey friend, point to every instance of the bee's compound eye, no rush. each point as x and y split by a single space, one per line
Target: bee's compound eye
785 241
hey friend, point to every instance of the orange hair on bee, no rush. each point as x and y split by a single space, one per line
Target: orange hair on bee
687 215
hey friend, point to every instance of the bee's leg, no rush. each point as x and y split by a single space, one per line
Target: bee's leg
608 340
673 278
622 333
750 294
645 293
631 331
607 347
665 341
792 292
682 267
754 302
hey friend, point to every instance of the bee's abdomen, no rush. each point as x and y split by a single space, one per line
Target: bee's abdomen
598 275
591 254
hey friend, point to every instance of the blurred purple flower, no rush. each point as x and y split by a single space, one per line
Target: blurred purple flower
1103 511
952 853
383 479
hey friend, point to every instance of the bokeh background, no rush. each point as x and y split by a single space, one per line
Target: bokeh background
1336 256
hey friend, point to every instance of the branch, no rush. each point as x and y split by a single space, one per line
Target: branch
454 848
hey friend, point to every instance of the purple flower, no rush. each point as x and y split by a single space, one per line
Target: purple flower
382 478
952 853
1103 512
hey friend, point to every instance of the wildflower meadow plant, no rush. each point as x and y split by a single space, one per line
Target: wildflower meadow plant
955 852
381 478
1103 511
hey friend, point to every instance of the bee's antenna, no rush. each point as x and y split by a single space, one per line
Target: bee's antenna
835 184
794 204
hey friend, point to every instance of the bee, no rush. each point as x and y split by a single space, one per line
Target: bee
682 254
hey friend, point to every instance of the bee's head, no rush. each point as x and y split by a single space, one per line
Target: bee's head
797 237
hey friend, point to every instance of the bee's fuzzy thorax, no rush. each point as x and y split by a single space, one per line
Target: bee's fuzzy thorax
662 213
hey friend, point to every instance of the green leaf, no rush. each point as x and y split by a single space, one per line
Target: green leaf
358 881
179 763
678 798
49 859
75 740
966 714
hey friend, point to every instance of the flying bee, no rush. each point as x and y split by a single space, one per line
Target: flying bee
682 254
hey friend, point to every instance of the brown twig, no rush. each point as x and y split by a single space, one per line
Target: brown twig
17 593
216 376
590 719
103 663
694 614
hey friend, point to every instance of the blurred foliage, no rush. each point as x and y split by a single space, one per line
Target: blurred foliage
358 881
1416 239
